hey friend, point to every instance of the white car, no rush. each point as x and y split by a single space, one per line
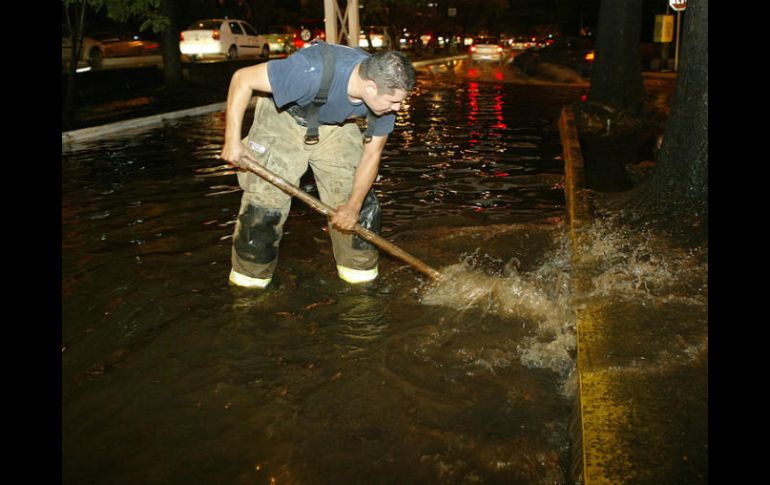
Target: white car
486 48
228 38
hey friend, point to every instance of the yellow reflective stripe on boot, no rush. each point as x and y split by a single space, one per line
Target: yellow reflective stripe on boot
247 281
357 275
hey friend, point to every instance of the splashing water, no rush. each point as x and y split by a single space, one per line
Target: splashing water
622 265
627 264
539 297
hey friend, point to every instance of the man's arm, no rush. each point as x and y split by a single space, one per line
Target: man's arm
346 215
242 84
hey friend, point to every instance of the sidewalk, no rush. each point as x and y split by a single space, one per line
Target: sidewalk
642 404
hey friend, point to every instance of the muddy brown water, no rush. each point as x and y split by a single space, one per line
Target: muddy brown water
170 376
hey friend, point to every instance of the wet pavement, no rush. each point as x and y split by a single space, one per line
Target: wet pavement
170 376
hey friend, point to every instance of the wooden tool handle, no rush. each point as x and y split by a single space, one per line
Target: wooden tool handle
324 209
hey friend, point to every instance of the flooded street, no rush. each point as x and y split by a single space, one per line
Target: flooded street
171 376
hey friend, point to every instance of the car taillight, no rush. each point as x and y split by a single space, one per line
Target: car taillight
499 49
473 48
590 56
215 35
181 36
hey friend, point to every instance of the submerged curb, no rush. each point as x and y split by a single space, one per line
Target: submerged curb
578 203
439 60
156 120
578 214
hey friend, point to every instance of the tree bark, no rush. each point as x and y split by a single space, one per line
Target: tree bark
172 63
679 184
616 76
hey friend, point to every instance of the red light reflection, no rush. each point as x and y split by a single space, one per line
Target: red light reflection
473 114
499 112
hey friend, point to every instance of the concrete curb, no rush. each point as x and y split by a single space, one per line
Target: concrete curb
578 214
157 120
144 122
638 417
578 204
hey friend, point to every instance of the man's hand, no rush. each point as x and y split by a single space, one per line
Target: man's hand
233 152
345 217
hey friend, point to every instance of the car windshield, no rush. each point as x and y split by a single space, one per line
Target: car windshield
205 25
486 40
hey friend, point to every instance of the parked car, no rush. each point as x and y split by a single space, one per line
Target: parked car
379 36
228 38
486 48
575 53
119 44
66 48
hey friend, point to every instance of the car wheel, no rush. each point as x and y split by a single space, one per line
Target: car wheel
232 54
265 52
95 58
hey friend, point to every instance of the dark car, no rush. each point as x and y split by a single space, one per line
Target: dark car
574 53
120 44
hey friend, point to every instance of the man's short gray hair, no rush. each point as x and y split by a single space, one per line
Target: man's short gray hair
390 70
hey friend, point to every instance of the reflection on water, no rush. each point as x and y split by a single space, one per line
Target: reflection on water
170 376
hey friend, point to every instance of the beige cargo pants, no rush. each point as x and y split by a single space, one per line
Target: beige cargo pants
276 141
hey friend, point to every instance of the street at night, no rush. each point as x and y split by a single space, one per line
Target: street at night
564 340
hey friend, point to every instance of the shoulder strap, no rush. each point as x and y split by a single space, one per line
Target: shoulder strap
371 119
311 136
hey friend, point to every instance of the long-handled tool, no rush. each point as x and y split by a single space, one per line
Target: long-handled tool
324 209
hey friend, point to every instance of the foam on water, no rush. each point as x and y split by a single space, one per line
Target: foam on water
539 298
627 264
622 265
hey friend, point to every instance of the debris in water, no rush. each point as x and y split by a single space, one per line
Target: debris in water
329 301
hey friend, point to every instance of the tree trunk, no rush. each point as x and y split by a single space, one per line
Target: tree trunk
616 76
76 31
172 64
679 184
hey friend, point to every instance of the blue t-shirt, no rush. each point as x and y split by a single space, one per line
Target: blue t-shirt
297 78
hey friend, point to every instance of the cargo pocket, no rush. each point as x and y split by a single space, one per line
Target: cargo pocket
261 150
